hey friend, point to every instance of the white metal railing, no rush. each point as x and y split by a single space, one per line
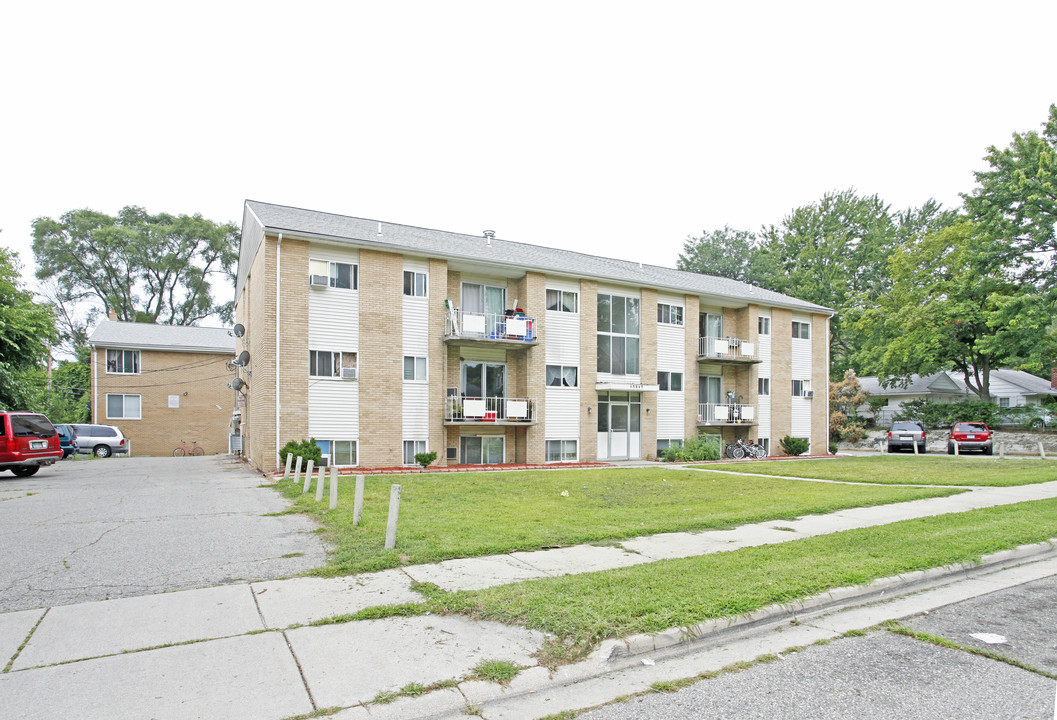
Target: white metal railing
728 348
725 414
463 408
489 326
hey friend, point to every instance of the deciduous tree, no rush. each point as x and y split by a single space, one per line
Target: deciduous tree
27 330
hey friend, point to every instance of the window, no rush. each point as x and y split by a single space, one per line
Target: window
563 301
341 452
562 376
414 368
669 381
324 273
415 283
765 325
122 407
618 335
122 361
663 445
326 363
764 386
669 314
1003 402
710 325
482 450
801 388
412 448
765 443
802 330
561 451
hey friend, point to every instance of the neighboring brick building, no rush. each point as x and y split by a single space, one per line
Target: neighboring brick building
382 340
163 384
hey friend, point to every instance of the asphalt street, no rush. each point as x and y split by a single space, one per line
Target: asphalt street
121 527
891 676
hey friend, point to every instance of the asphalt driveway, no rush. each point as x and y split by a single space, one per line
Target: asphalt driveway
121 527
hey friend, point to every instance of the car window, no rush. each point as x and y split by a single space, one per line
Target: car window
31 426
3 426
970 427
905 426
107 432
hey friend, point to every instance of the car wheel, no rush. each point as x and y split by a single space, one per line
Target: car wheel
1036 424
25 471
102 451
890 448
989 451
924 449
950 449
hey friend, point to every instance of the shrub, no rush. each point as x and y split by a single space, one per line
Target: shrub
942 415
305 448
693 449
424 459
833 448
794 446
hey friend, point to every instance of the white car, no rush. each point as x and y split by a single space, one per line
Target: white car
102 440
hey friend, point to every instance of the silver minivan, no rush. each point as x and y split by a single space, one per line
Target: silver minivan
103 440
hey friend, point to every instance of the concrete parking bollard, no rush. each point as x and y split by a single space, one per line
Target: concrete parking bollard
333 487
308 477
319 483
289 462
956 453
1042 451
1002 451
297 472
394 516
915 444
357 507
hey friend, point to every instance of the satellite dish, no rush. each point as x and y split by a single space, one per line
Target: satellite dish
239 329
243 359
239 385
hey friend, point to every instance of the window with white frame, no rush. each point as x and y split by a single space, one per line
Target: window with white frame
801 388
414 368
561 451
765 443
563 301
765 325
122 361
764 386
340 453
618 335
563 376
1003 402
415 283
330 363
411 449
663 445
122 407
327 273
672 381
802 330
669 314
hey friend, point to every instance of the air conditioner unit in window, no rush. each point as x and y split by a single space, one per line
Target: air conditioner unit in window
325 462
348 373
809 393
319 280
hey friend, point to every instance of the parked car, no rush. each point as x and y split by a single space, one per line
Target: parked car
970 436
1035 417
67 440
28 441
903 435
103 440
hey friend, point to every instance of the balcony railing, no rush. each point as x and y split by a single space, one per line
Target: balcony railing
461 323
728 348
726 414
465 409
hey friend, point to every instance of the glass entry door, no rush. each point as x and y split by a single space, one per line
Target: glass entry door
487 300
482 450
619 432
619 440
483 380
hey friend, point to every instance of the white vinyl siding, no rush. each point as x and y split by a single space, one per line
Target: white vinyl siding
801 370
563 413
415 410
415 332
333 324
671 411
563 338
562 347
671 357
764 371
671 348
334 409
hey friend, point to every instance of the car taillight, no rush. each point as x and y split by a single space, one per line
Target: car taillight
122 441
889 434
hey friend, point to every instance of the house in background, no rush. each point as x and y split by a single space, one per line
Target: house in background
163 384
382 341
1009 388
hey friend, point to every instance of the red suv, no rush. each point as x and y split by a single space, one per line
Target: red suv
27 441
970 436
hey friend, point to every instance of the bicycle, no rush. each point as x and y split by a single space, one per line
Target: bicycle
185 449
739 449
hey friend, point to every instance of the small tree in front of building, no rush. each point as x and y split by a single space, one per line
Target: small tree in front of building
845 397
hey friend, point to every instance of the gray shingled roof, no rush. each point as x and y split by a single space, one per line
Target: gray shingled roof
916 385
146 336
438 243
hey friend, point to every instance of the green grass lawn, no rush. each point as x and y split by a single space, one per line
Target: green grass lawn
929 470
584 609
450 515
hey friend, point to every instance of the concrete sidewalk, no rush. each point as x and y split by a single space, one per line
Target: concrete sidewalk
244 650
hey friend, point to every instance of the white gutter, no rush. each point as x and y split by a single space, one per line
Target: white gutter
278 337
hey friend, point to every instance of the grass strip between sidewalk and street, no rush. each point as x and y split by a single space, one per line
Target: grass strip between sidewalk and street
902 470
454 515
581 610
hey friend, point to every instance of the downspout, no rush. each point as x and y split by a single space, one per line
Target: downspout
278 338
95 386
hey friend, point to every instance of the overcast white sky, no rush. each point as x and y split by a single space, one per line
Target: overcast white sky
605 127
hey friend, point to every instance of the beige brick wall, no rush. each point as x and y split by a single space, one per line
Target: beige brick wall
452 371
648 371
691 377
255 309
198 380
781 376
820 384
293 354
532 297
438 358
588 370
381 360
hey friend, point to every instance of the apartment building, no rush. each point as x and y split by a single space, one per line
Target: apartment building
381 341
163 384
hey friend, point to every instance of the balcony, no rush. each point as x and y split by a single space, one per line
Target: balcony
716 414
727 350
463 327
465 410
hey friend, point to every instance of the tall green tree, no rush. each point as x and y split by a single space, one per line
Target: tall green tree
27 331
145 268
725 252
953 305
